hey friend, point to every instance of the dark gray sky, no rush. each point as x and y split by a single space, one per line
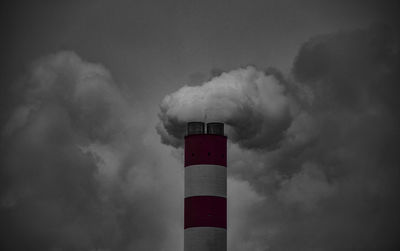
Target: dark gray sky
90 156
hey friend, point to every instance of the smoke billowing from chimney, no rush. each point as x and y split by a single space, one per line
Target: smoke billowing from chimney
252 103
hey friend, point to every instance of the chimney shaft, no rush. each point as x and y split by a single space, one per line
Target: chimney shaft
205 188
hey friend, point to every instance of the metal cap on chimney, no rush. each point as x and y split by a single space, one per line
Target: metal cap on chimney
195 128
216 128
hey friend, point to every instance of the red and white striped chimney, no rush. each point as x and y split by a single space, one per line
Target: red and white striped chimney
205 187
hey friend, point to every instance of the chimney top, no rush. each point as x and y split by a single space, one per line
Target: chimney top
195 128
216 128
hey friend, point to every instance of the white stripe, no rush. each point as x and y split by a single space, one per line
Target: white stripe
205 180
205 239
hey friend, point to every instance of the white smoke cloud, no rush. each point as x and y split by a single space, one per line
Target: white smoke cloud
252 103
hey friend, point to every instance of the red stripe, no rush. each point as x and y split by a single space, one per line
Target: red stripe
205 149
205 211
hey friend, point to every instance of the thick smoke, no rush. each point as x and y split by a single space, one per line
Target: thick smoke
253 103
75 166
331 182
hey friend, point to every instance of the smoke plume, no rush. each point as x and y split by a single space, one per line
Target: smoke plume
254 104
317 149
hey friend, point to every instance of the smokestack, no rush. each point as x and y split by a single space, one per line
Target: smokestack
205 188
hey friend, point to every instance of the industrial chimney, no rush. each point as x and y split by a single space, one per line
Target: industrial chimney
205 187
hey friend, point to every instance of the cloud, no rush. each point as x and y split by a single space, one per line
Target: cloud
339 155
75 166
306 188
350 70
251 102
240 210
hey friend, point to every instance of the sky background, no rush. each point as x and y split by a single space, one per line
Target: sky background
95 96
